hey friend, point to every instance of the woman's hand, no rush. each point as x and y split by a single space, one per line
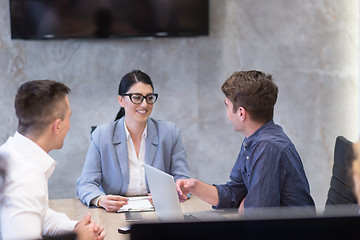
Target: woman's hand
112 203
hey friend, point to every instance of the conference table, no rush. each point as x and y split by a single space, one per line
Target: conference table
111 221
274 223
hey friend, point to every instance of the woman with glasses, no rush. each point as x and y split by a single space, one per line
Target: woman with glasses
114 165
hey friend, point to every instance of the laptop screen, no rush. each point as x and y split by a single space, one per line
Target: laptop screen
164 195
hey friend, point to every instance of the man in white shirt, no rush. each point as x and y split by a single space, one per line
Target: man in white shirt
43 111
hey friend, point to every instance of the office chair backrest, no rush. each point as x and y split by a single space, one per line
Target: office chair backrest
341 185
92 129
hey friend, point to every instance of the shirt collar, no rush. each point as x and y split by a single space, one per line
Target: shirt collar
42 158
247 141
143 135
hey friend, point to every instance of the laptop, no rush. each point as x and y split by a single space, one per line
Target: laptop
166 200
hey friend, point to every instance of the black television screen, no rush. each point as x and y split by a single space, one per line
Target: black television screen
61 19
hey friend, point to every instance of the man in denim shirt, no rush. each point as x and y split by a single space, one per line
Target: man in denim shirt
268 171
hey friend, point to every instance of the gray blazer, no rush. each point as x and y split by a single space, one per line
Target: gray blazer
106 168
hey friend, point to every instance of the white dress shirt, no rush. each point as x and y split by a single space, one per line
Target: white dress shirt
137 184
25 212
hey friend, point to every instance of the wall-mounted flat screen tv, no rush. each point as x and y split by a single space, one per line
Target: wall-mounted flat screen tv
62 19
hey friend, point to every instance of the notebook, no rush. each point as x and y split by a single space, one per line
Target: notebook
166 200
137 204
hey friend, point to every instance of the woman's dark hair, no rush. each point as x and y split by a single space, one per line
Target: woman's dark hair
127 82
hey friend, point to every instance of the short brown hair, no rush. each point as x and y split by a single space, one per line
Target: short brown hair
253 90
38 103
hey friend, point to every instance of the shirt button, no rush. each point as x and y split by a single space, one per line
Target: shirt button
247 157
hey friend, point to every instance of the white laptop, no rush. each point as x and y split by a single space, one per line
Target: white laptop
164 195
166 200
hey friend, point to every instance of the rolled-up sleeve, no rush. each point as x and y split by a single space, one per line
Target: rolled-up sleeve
233 192
57 223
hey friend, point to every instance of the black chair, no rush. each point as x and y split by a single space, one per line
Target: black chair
341 185
92 129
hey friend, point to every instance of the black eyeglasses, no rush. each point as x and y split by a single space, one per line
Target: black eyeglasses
138 98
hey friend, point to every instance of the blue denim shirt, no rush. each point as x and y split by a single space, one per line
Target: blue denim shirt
268 172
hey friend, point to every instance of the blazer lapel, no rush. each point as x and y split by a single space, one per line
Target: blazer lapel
119 141
152 142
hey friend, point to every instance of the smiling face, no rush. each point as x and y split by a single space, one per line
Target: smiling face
136 113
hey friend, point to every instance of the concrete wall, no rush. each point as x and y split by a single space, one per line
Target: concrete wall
310 48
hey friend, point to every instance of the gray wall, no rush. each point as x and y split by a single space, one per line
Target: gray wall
310 47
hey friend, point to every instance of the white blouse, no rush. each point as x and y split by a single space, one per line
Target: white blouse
137 183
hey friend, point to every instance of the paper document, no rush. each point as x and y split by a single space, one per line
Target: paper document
137 204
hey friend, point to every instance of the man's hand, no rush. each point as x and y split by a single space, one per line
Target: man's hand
184 187
242 207
204 191
89 230
112 203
